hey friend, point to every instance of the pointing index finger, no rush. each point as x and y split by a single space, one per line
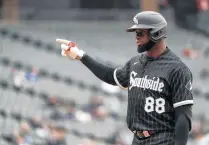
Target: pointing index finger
63 41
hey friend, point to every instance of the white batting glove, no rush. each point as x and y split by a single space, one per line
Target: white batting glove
69 49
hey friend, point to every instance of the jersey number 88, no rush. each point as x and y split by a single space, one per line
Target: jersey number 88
157 105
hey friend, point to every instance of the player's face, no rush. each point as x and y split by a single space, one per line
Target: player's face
141 37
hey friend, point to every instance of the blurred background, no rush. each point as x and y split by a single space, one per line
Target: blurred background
49 100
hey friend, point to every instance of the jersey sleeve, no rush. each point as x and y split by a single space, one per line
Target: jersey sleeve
181 86
121 75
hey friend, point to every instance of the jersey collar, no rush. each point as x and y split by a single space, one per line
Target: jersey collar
159 57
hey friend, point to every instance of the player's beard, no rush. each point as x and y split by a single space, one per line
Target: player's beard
146 47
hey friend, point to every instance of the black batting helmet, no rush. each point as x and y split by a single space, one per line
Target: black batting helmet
153 21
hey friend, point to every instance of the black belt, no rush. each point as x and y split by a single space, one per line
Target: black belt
144 134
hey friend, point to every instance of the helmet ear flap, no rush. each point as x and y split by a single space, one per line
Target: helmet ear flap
158 34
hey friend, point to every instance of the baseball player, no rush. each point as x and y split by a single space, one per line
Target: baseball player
159 84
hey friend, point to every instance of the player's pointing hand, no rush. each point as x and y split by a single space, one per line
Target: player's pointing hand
69 49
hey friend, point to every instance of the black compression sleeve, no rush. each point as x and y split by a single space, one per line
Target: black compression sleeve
183 124
102 71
